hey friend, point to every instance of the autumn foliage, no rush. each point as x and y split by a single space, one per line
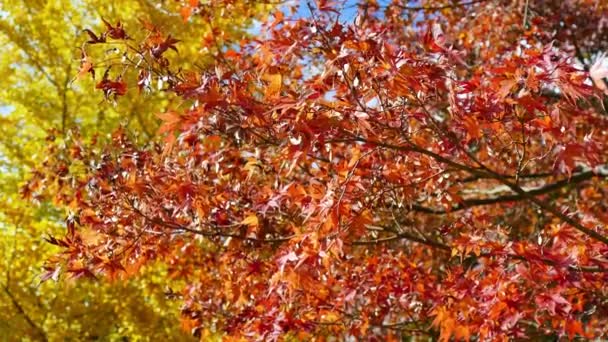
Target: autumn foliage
46 69
433 168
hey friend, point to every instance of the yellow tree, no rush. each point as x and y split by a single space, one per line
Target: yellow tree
40 65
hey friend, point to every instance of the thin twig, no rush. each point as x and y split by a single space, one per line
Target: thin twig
525 14
436 8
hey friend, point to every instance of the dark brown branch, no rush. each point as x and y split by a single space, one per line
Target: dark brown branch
547 207
522 176
41 334
448 248
486 172
578 178
414 148
406 236
437 8
174 226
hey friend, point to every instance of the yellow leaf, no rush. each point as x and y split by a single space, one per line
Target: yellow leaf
275 82
39 52
251 220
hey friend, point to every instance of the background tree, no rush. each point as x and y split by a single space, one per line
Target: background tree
431 168
44 89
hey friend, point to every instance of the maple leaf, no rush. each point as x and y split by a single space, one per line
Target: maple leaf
50 273
94 39
275 82
115 32
399 181
76 273
170 120
251 220
599 72
110 88
160 48
86 65
573 328
143 80
187 10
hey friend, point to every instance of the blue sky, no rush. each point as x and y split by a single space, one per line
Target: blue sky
347 14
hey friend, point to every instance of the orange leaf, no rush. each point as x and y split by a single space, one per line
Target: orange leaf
85 67
447 329
574 327
185 12
462 333
170 120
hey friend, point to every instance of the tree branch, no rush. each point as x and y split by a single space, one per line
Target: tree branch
483 171
467 203
448 248
174 226
406 236
21 311
436 8
547 207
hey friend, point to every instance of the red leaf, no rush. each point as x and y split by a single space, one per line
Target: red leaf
115 32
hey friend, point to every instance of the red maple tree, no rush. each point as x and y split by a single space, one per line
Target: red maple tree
433 168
